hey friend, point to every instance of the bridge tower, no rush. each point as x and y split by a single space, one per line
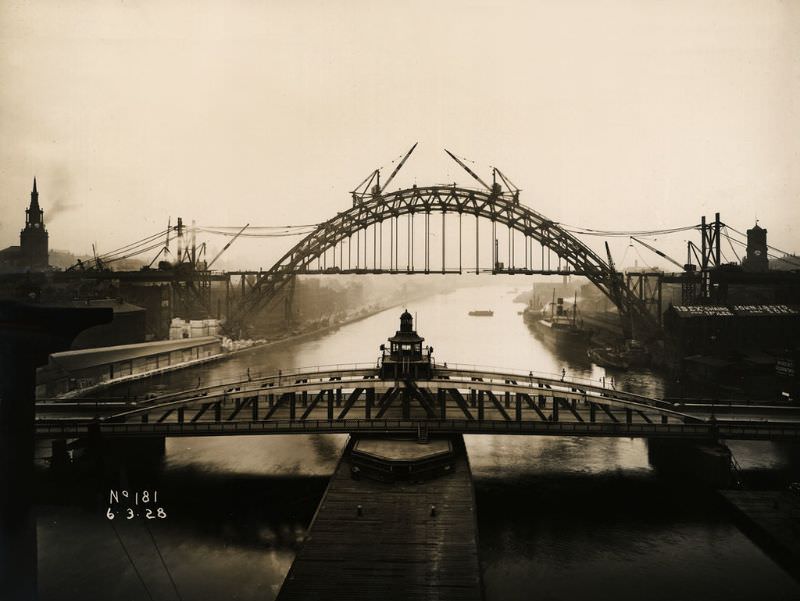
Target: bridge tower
405 358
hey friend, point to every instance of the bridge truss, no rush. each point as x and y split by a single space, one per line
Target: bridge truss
356 399
381 233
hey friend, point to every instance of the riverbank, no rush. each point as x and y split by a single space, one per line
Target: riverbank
76 394
257 346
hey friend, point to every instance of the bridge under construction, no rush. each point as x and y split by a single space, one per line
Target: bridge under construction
430 229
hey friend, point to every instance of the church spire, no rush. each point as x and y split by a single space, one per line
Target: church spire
34 214
34 197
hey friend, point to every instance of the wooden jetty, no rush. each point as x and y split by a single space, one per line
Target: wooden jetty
399 540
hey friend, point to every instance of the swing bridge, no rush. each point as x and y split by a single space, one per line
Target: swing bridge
452 400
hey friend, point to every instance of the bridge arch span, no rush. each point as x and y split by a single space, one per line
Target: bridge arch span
498 207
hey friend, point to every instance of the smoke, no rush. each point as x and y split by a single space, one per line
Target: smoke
60 205
56 193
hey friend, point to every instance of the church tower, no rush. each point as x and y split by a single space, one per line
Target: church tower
33 239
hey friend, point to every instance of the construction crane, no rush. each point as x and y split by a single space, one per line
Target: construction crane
610 261
468 170
662 254
226 247
687 279
509 184
380 188
98 263
366 186
165 248
691 249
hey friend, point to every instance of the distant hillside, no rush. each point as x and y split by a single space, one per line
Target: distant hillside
63 259
785 263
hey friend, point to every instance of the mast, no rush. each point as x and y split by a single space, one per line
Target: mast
575 309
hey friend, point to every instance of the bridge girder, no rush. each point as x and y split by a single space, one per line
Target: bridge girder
359 392
356 399
498 207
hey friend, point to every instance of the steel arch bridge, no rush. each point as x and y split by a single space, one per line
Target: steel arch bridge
378 212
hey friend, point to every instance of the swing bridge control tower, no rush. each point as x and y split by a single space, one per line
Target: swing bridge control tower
405 358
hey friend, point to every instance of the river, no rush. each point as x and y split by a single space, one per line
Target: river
559 518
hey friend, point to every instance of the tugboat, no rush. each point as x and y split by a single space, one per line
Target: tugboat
556 321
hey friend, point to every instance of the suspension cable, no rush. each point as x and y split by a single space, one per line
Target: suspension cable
273 234
260 227
730 243
612 233
133 245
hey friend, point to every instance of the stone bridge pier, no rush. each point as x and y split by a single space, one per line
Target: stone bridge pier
706 462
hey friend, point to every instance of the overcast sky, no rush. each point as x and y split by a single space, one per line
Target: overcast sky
609 114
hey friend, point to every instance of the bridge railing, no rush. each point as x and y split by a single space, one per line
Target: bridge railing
252 378
742 430
273 373
437 364
267 374
240 379
521 373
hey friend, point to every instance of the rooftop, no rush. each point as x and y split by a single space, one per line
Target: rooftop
91 357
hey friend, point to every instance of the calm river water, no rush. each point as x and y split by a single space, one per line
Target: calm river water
559 518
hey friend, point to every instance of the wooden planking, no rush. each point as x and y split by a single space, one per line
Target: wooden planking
396 549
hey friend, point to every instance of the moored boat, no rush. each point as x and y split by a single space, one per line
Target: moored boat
607 357
555 321
632 354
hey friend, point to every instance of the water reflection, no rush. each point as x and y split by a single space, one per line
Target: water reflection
510 457
615 536
312 455
559 518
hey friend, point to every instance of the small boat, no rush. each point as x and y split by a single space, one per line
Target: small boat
607 357
631 354
481 313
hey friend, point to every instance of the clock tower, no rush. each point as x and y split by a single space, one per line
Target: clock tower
33 239
756 260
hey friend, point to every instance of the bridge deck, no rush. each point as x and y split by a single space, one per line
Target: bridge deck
455 401
396 549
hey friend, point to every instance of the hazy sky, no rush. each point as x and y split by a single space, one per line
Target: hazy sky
608 113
